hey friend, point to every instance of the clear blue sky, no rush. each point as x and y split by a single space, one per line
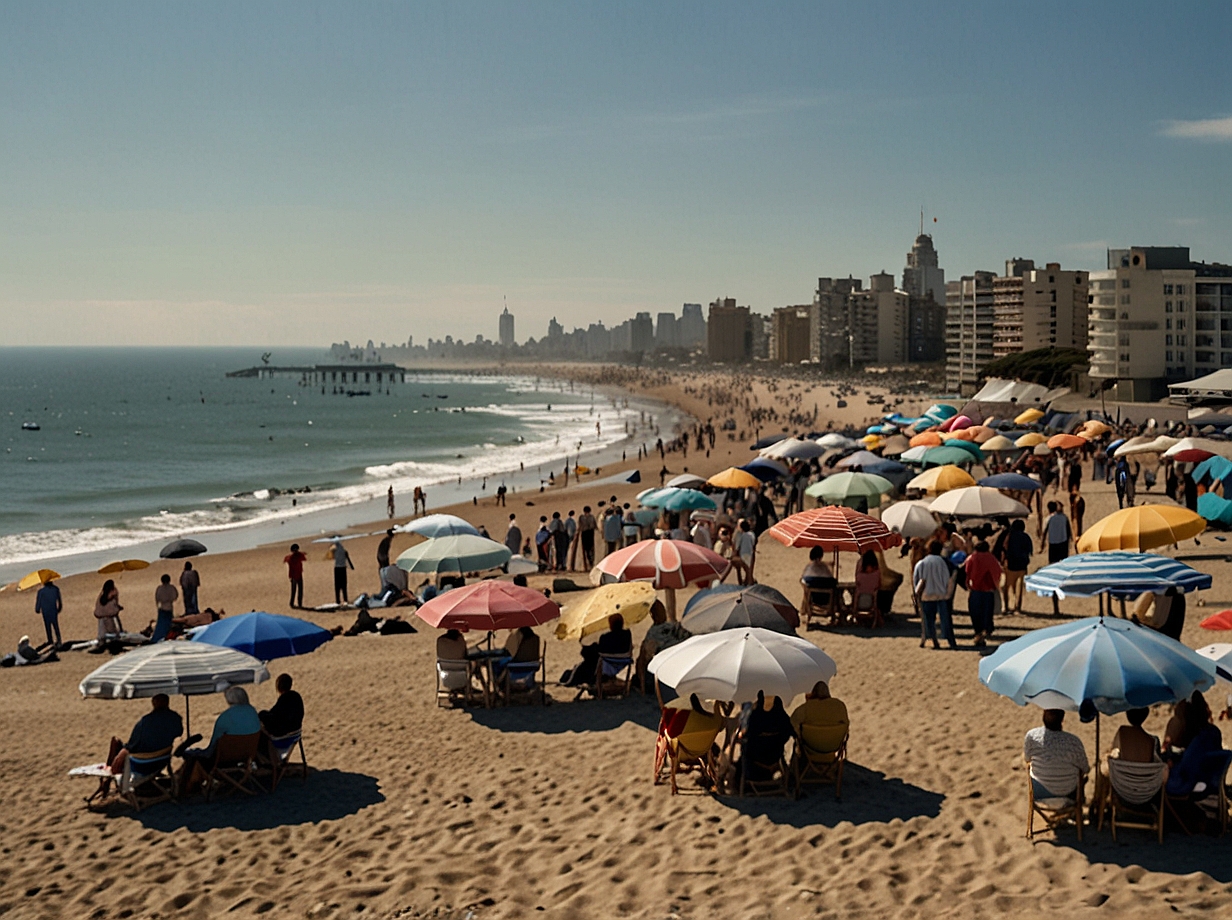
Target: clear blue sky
299 173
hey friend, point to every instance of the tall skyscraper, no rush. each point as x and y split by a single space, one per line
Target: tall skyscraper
506 328
555 329
692 326
642 333
667 331
922 277
969 319
729 331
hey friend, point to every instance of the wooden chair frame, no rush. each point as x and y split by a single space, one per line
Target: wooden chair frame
1117 807
1220 794
460 665
508 682
674 759
619 663
231 766
825 766
280 757
130 783
1054 817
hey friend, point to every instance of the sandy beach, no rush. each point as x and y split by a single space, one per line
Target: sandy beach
414 810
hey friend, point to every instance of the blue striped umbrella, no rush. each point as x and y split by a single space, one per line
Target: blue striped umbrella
1115 664
1121 574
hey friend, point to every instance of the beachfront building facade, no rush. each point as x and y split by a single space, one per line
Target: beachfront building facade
1158 317
642 333
506 329
790 334
969 320
1038 308
692 326
729 332
852 326
667 332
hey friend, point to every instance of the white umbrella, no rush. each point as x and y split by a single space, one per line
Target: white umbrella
439 525
913 454
736 664
1221 654
1212 447
686 481
977 501
462 553
793 449
834 439
911 519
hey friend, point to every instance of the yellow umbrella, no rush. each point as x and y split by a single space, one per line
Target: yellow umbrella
1030 439
872 441
123 565
734 478
1142 527
1030 416
941 479
37 579
589 613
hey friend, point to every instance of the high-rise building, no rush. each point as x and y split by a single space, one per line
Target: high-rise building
1157 317
642 333
555 329
622 337
969 318
692 326
1038 308
790 334
925 329
923 277
506 329
729 331
667 331
760 329
852 326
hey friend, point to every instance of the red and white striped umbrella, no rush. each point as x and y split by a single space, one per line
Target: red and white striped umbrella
488 606
666 564
835 528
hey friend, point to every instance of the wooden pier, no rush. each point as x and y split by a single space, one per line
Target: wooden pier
327 374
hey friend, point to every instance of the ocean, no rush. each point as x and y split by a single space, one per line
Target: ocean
138 446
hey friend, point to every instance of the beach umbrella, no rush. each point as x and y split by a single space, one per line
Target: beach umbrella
1041 450
911 519
1195 450
1011 482
957 423
914 454
1094 428
941 411
677 500
859 458
1114 446
834 528
686 481
439 525
1112 663
37 579
1031 439
1066 441
950 455
977 501
1215 508
734 478
771 594
520 565
123 565
1028 417
965 434
587 613
1142 527
487 606
646 516
884 467
264 635
795 449
927 439
835 441
941 479
461 554
998 444
1140 444
895 445
872 441
766 469
842 487
181 549
736 664
1121 574
766 441
1217 468
666 564
982 433
735 609
1221 654
1219 621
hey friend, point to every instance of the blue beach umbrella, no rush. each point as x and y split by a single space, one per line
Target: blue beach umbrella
1216 467
1214 508
941 411
1015 482
680 500
265 635
766 469
1116 572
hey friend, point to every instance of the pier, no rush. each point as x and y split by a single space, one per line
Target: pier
325 374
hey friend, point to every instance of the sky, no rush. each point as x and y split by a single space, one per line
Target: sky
304 173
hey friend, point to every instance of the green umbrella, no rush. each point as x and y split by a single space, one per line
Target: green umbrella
952 453
461 553
842 487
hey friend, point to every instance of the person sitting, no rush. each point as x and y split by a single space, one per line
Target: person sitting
1131 742
287 713
521 646
155 731
817 576
662 634
451 646
1191 773
868 583
394 591
239 718
819 708
1057 755
615 642
28 654
1177 733
766 730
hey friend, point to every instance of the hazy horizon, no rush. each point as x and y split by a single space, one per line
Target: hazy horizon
241 174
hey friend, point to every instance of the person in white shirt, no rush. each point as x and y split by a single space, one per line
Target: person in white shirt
1057 759
931 580
701 535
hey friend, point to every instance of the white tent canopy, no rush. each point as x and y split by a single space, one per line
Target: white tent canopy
1214 388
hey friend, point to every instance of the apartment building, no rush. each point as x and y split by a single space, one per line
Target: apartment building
790 334
852 326
729 331
969 320
1038 308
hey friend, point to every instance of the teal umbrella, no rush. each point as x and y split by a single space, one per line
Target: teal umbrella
670 499
461 554
842 487
1214 508
951 453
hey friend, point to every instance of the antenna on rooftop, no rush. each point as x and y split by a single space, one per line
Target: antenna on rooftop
921 220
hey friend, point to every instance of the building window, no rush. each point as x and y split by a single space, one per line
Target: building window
1168 354
1125 359
1180 306
1226 359
1167 306
1124 298
1167 289
1182 340
1168 341
1124 282
1168 323
1124 316
1180 289
1180 323
1204 357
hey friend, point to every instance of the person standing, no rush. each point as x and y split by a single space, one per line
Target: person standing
931 581
1057 533
165 596
560 540
294 561
1018 550
49 603
744 548
342 561
586 530
513 536
611 529
983 576
107 610
389 502
701 533
190 582
631 529
382 550
571 529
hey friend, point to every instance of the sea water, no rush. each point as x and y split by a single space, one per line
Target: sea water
141 445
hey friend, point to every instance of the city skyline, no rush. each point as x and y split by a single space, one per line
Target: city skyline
280 174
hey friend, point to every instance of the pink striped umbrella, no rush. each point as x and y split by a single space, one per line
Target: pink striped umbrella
488 606
835 528
666 564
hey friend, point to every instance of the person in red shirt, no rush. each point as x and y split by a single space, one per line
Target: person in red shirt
983 578
295 569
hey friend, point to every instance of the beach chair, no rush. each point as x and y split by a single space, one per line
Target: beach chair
613 675
1209 795
777 774
864 609
821 752
686 743
528 677
147 780
823 599
1055 810
1133 795
453 677
231 766
278 750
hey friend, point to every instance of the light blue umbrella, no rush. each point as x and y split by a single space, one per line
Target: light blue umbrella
677 500
1216 467
1116 572
1114 664
439 525
463 553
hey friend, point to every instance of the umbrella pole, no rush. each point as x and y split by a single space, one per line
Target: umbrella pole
669 602
187 716
1124 615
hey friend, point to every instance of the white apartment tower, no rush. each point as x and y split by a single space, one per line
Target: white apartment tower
506 328
1038 308
969 319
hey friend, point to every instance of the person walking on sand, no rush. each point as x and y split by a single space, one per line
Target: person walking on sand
190 582
342 561
587 525
611 529
165 596
389 503
382 550
295 571
48 603
513 536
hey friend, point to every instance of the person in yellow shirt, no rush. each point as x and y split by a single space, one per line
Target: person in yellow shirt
819 708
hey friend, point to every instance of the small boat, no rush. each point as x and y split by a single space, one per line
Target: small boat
30 426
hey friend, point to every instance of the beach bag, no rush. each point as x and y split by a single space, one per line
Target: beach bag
108 610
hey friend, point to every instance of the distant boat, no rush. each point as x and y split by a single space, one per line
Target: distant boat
442 395
30 426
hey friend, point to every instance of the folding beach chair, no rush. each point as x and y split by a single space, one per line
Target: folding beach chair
1055 810
1209 795
529 677
776 774
823 599
232 765
278 752
686 743
613 675
821 752
864 611
1134 796
453 678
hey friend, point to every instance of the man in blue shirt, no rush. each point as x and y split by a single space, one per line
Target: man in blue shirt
239 718
49 603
